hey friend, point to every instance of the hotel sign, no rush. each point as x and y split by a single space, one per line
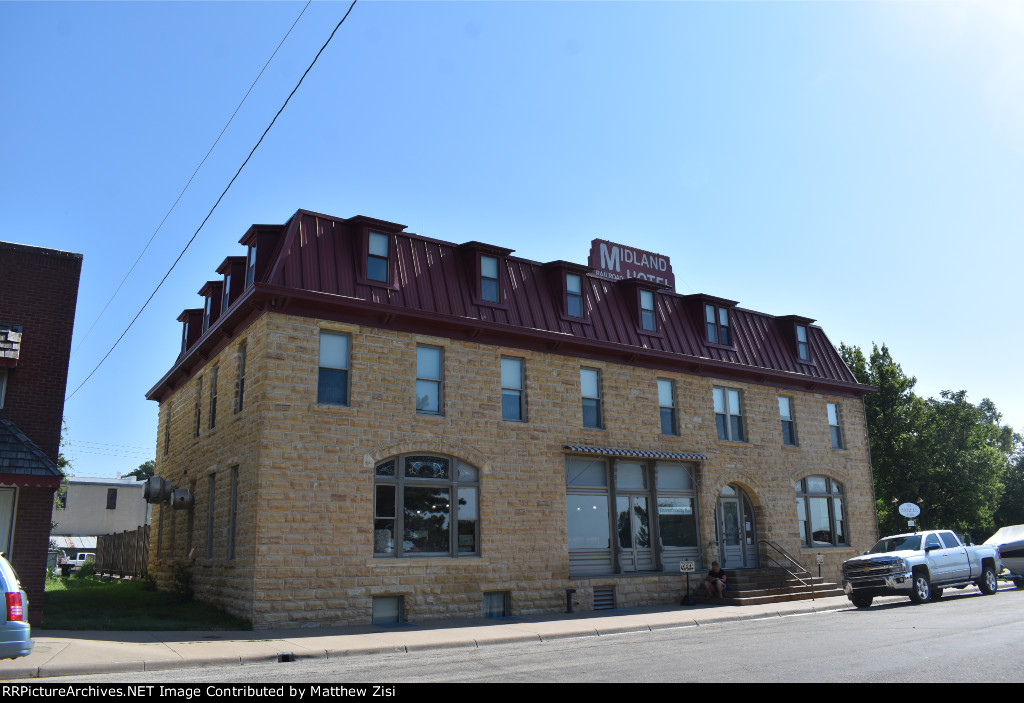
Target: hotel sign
618 261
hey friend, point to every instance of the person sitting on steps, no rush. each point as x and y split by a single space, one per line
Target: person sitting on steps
714 584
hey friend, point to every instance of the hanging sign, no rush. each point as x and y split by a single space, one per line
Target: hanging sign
909 510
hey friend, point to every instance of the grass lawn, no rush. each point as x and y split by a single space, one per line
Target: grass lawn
93 604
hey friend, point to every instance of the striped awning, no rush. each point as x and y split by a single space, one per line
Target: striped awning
632 453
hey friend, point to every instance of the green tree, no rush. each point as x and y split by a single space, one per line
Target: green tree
1011 508
144 472
895 417
967 453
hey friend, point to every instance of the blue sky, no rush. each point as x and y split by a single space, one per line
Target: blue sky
859 163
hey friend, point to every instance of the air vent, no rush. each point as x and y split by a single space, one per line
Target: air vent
604 598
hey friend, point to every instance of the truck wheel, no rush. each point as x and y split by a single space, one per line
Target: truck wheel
988 583
861 601
936 594
1018 582
921 590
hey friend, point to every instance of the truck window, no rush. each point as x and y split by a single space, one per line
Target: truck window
932 541
897 544
949 540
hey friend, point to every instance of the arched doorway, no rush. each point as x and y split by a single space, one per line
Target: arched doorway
737 531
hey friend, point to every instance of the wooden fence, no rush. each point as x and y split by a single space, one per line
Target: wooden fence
124 554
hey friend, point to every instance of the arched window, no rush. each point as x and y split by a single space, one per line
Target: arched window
821 510
431 501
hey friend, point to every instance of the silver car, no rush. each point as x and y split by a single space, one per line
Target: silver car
15 632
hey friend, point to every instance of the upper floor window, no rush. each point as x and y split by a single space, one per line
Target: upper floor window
590 389
199 405
250 266
377 257
667 406
111 499
716 320
332 379
213 396
207 312
647 318
820 511
788 423
729 414
512 405
834 426
225 294
428 380
426 505
243 349
3 386
573 295
803 347
489 289
184 337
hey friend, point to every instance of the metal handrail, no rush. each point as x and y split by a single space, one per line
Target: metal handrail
712 543
778 548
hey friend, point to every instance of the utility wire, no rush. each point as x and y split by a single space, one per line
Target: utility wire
209 214
215 141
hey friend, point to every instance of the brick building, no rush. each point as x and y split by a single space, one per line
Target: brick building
375 424
38 293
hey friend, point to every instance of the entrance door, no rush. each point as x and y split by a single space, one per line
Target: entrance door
737 538
633 525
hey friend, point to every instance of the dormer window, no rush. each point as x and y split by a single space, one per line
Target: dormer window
377 257
803 348
647 319
716 321
226 298
573 295
489 289
250 266
184 337
207 311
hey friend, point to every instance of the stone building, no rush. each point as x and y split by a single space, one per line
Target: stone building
38 295
375 425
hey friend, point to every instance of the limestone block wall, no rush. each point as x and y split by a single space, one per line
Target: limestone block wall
304 533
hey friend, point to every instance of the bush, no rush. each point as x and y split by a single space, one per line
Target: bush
86 570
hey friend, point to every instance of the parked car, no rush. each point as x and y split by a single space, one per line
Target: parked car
1010 541
920 565
15 634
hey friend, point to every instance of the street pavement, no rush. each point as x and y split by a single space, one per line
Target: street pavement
74 653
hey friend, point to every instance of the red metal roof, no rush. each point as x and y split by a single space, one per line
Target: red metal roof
324 257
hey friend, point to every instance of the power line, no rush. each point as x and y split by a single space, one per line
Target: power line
175 204
209 214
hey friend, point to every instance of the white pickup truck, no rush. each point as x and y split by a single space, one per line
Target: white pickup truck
920 565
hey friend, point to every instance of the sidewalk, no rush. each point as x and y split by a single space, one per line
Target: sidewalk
72 653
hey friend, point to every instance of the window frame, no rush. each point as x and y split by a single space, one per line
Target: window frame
243 351
211 483
399 480
573 296
648 316
713 329
437 382
673 414
833 492
250 266
835 429
199 406
595 401
729 427
212 422
233 513
519 391
373 257
789 421
3 385
482 279
111 499
346 379
803 347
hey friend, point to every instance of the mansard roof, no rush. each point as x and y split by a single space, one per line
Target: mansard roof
315 265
